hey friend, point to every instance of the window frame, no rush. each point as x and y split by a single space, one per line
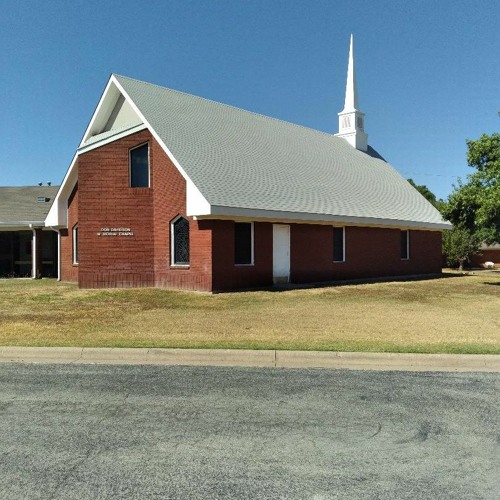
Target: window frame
172 243
406 254
343 244
130 166
252 245
74 243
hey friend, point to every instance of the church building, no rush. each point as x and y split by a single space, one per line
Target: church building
172 190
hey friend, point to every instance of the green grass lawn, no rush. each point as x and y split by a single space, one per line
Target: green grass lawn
457 314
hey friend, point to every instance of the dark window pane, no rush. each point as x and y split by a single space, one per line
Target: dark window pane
139 167
243 243
338 244
404 244
181 241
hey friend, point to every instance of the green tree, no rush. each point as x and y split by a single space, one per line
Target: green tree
458 245
425 192
475 204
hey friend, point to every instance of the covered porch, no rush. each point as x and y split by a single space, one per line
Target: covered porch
28 254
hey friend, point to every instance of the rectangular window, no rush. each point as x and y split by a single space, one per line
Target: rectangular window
139 166
243 243
405 245
75 244
339 244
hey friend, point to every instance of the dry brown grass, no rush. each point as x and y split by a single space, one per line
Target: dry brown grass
450 314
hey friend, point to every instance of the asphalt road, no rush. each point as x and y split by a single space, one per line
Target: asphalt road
149 432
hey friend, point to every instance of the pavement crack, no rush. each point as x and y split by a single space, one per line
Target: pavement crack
379 428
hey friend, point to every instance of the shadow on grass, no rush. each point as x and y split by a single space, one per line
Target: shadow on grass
339 283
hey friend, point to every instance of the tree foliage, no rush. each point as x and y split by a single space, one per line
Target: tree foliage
425 192
475 205
458 245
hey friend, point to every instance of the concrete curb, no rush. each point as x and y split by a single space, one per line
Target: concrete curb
264 358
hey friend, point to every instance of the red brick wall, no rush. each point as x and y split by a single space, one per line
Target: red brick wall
169 202
479 259
227 275
369 252
69 271
107 201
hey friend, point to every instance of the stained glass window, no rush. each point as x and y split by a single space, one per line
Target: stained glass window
180 245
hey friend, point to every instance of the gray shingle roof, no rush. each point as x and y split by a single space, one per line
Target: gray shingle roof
19 204
245 160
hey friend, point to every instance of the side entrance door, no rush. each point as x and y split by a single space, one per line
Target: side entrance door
281 253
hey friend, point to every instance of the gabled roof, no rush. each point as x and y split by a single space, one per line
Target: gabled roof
242 164
22 206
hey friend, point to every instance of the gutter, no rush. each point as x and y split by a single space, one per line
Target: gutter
22 223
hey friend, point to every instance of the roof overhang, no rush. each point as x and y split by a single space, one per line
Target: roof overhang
21 225
235 213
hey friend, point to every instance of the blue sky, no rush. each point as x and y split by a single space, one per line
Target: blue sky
428 71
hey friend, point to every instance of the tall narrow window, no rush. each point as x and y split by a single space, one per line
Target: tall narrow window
180 241
243 243
338 244
75 244
405 245
139 166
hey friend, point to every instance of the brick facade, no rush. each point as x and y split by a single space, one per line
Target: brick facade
227 275
69 271
369 252
103 199
487 255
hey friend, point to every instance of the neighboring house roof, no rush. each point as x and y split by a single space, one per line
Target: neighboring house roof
242 164
24 206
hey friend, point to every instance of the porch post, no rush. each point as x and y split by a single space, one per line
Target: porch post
36 253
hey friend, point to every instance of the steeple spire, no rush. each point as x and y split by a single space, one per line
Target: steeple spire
351 120
351 92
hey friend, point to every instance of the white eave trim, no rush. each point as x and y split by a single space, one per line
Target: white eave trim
120 134
102 101
194 199
56 218
221 212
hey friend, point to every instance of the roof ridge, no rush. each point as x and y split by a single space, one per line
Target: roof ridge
280 120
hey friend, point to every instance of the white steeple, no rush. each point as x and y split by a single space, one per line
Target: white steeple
351 120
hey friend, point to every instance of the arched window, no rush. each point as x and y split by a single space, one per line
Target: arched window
179 235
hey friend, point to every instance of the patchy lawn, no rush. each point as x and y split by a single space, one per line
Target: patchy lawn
452 314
